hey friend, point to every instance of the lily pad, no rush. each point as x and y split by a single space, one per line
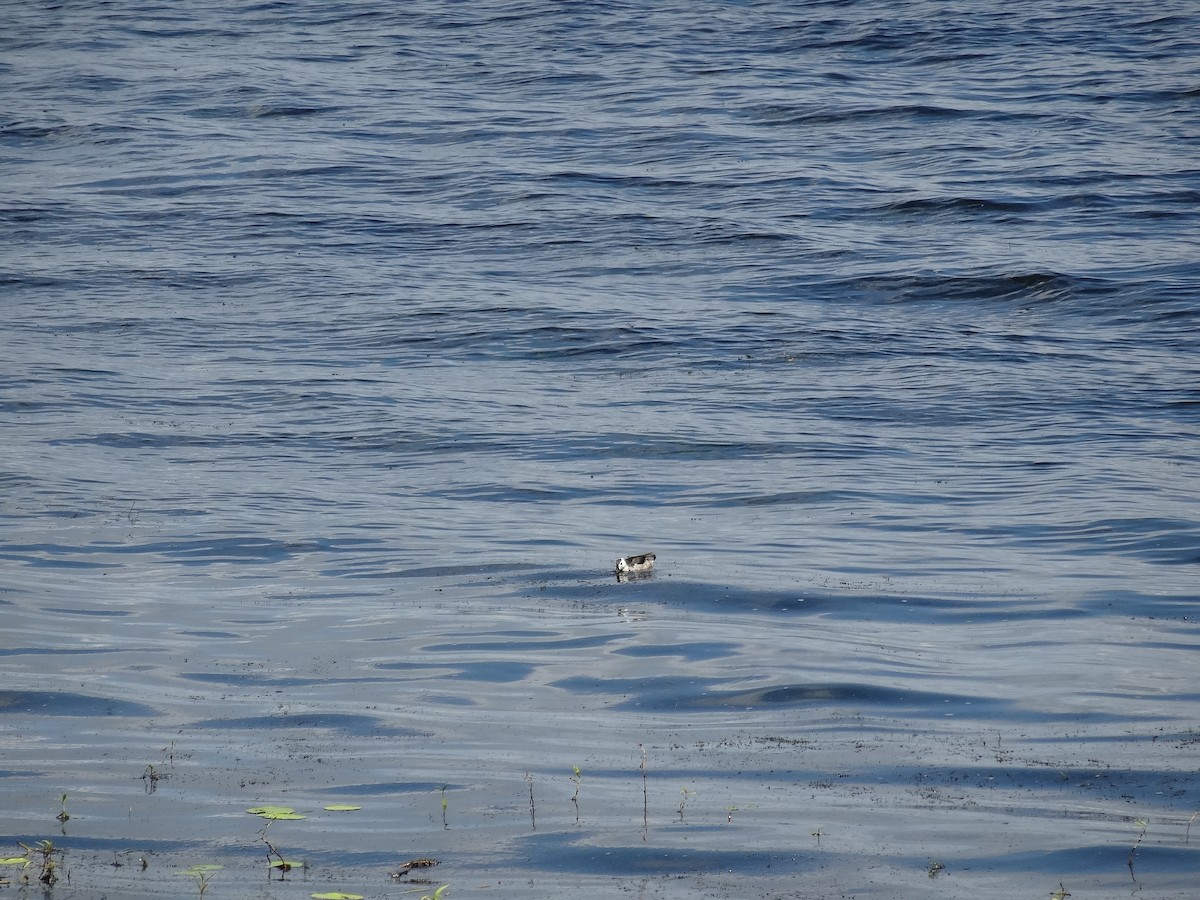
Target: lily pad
276 812
200 869
342 807
336 895
286 864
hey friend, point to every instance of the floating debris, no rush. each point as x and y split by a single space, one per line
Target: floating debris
421 862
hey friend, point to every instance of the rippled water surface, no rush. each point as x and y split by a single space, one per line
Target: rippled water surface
345 348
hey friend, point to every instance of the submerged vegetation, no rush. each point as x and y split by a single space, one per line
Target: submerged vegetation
1143 824
645 796
42 854
275 859
577 780
685 794
202 873
42 861
151 776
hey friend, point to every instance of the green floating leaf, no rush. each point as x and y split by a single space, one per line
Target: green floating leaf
200 869
286 864
269 810
336 895
15 861
289 816
342 807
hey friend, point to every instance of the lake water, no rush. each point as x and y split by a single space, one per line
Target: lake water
346 347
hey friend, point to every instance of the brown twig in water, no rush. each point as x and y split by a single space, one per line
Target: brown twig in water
272 850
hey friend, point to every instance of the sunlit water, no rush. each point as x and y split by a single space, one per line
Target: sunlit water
345 349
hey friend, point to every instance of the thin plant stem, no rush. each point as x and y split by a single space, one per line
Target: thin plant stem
645 797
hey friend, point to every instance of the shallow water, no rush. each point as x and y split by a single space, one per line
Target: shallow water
346 351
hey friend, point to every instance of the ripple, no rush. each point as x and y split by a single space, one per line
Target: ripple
567 853
61 703
343 723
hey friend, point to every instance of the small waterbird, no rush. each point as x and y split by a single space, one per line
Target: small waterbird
635 565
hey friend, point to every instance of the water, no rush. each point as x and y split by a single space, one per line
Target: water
346 349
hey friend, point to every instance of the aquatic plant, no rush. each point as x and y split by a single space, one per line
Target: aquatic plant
63 815
275 859
445 805
46 850
935 868
151 777
645 796
577 780
22 861
276 812
1061 894
437 895
1144 823
731 809
202 881
532 808
202 873
818 834
685 795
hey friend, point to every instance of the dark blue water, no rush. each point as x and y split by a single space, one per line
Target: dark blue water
345 347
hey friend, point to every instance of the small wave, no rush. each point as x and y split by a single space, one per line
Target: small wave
956 207
65 703
912 113
344 723
1011 288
